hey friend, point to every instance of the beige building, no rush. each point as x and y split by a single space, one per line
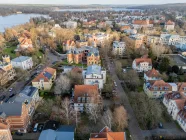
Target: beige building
45 79
5 132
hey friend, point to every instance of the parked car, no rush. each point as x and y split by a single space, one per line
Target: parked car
160 125
2 97
6 100
11 95
35 127
19 133
40 127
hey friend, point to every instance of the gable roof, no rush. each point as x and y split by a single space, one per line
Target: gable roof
141 22
46 75
107 134
141 60
81 90
152 73
180 103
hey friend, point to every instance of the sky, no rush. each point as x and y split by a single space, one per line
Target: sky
78 2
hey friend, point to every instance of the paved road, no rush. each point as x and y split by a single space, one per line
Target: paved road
134 128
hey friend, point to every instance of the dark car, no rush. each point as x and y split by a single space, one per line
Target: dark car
6 100
11 95
40 128
2 97
160 125
19 133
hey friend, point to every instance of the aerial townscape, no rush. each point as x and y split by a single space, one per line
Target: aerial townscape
83 71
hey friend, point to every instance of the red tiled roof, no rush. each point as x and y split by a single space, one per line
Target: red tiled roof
108 135
81 90
160 85
152 73
172 96
169 22
180 103
140 60
141 22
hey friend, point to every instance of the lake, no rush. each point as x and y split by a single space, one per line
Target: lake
94 9
16 19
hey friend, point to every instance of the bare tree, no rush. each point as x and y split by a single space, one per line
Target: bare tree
62 84
67 110
45 107
157 50
107 118
94 112
120 118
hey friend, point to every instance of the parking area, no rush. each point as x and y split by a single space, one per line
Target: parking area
177 60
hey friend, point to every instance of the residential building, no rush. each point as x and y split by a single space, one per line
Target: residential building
81 43
69 44
181 118
86 96
94 75
142 64
45 79
119 48
152 75
107 134
14 115
87 54
102 25
30 96
170 96
25 42
153 40
23 62
7 67
141 23
62 132
169 25
5 133
157 89
89 24
130 31
3 77
70 24
182 89
139 40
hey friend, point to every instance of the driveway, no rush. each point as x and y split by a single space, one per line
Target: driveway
135 131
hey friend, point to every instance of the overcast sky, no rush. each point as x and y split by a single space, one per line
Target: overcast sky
77 2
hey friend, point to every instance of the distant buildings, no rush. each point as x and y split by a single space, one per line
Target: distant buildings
70 24
94 75
88 55
139 40
107 134
86 96
23 62
142 23
142 64
15 115
45 79
119 48
169 25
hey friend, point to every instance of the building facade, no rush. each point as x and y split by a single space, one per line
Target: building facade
23 62
142 64
94 75
119 48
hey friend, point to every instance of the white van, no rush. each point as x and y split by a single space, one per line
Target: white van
35 127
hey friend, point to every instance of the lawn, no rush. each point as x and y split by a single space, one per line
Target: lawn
10 51
66 63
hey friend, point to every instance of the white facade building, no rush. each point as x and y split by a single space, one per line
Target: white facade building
119 48
23 62
70 24
94 75
142 64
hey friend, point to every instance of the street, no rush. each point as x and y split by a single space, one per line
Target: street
135 131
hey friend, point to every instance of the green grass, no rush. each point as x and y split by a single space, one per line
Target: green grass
10 51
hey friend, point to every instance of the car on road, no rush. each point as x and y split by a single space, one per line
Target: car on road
160 125
35 127
2 97
6 100
10 89
115 84
11 95
19 133
40 127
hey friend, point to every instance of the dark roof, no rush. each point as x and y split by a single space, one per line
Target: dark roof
54 125
11 109
66 128
29 91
